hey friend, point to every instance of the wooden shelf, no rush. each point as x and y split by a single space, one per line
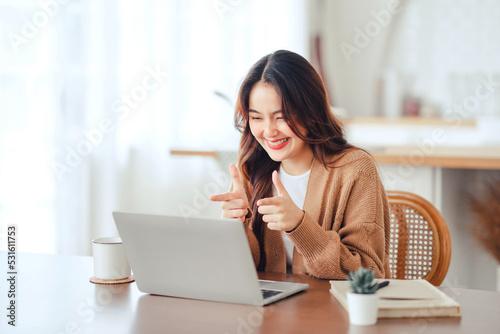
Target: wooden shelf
203 153
417 121
446 157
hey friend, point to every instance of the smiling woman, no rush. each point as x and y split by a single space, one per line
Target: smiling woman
310 202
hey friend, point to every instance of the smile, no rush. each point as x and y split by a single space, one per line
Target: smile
278 144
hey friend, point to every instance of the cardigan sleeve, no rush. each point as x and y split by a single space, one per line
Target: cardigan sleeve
360 240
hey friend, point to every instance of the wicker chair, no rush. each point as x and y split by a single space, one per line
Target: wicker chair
420 245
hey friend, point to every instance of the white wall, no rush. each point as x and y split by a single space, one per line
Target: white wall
433 51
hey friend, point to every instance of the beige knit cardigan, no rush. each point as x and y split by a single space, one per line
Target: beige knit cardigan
345 223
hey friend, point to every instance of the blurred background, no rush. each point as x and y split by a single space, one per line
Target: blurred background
127 105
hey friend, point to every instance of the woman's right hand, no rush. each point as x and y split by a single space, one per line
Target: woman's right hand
234 203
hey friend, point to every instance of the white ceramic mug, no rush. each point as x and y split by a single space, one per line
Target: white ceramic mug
110 261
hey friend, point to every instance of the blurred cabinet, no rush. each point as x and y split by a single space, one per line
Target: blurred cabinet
425 181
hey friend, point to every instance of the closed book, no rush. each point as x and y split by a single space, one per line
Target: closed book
405 299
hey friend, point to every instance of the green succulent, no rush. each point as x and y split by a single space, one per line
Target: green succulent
361 281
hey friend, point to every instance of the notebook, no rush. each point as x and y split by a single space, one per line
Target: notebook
405 299
197 258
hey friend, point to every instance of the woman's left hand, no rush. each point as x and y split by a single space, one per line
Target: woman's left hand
280 212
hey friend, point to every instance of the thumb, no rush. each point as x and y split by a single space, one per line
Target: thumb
279 186
235 178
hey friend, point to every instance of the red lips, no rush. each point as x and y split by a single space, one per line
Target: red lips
277 147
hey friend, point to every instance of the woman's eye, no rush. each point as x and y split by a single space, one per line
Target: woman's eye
255 118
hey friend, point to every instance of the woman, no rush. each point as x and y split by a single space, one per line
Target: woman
310 202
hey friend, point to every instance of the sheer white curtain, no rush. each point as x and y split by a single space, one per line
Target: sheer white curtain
95 95
84 87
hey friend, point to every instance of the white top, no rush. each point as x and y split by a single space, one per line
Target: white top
296 186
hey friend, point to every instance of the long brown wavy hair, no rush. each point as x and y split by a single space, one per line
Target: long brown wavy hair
304 102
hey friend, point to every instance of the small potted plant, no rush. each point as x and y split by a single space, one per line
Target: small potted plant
362 301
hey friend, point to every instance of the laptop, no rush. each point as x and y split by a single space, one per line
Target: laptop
197 258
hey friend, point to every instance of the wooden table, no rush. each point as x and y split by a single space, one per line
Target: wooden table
54 295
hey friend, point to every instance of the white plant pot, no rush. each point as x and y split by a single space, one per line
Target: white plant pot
363 308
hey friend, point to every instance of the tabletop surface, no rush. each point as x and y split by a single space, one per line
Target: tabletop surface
54 295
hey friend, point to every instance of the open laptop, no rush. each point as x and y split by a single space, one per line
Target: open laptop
196 258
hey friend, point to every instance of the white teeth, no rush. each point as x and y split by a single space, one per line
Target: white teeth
277 142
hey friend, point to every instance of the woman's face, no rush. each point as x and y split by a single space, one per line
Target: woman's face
273 133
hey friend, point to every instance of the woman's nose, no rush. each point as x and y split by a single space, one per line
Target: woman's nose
270 130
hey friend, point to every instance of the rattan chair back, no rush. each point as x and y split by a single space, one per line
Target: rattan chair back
420 246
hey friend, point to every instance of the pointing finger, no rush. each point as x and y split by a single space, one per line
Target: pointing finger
223 197
270 201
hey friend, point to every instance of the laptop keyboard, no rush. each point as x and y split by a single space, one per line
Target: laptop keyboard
270 293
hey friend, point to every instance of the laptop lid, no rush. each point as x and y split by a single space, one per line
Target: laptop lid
196 258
